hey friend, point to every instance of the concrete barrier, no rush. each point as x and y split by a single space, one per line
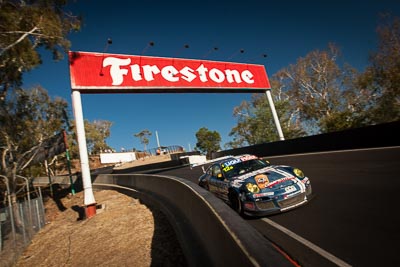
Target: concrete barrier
381 135
210 232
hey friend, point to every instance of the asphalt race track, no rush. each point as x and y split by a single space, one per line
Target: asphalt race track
353 220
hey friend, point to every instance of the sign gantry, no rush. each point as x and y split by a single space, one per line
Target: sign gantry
115 73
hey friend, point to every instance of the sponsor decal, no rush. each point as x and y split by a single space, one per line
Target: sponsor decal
271 184
251 174
239 180
231 162
248 157
261 180
96 71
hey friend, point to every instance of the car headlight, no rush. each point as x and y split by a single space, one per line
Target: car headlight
252 188
299 173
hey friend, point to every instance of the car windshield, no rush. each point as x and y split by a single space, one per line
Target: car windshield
244 167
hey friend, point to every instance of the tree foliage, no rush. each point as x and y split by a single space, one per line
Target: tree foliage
256 124
25 27
143 136
317 87
316 95
28 118
207 141
382 77
96 134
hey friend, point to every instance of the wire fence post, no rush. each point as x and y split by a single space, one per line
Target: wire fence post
68 163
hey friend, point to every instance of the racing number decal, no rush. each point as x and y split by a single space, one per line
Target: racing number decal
290 189
227 168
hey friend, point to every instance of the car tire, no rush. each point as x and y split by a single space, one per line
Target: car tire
236 202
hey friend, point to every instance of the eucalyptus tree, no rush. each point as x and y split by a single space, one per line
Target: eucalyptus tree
27 26
207 141
313 95
31 125
96 134
27 118
319 90
318 95
27 29
255 124
381 80
143 137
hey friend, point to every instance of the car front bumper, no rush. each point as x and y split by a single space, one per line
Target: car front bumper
263 208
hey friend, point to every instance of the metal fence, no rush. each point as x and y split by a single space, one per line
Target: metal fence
164 150
18 225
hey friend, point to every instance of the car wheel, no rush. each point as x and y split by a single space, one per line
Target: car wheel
236 202
206 187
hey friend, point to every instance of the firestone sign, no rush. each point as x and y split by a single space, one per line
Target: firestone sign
98 72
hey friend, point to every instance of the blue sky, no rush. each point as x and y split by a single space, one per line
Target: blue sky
284 30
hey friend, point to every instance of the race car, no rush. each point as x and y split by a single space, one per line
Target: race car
254 187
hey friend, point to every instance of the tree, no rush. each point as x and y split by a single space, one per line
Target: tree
382 78
96 135
319 90
255 120
27 118
207 141
316 95
143 137
312 96
30 125
25 27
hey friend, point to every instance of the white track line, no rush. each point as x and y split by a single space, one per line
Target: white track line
308 244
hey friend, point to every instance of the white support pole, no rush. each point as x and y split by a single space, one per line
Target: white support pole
83 153
274 114
158 141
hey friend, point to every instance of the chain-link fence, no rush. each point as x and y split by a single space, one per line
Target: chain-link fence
18 225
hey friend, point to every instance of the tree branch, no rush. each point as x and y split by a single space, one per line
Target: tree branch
31 32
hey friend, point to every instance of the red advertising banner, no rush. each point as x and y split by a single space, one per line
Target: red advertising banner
100 72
